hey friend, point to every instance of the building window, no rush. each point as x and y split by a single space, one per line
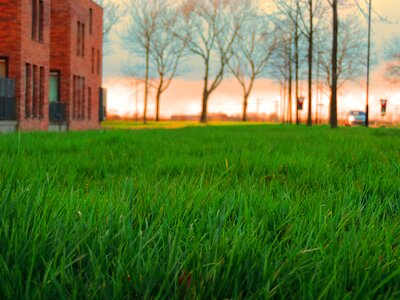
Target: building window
78 42
41 93
38 20
34 19
79 102
78 99
83 89
74 97
54 86
28 90
98 62
90 20
93 57
35 93
41 20
83 39
3 67
89 106
82 98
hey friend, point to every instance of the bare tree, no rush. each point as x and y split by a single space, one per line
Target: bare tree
166 51
113 12
210 31
305 16
287 22
314 9
252 50
392 57
351 51
282 64
144 18
347 43
296 59
365 7
334 63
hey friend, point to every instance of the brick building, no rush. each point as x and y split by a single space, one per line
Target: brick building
51 57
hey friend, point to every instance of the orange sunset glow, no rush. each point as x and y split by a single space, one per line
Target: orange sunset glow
184 95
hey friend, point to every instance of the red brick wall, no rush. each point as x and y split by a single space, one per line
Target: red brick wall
65 17
56 52
37 53
60 58
16 43
10 40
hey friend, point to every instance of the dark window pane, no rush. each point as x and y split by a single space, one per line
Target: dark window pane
28 88
90 21
41 20
34 19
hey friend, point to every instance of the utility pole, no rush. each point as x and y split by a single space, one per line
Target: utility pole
368 63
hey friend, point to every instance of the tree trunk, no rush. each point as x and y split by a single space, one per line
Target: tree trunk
158 98
245 104
204 106
282 112
146 87
310 65
333 104
203 117
317 94
284 102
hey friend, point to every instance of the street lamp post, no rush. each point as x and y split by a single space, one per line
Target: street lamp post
368 63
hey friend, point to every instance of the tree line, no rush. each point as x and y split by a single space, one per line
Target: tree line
286 40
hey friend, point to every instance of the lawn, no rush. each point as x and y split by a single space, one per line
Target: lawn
201 212
139 125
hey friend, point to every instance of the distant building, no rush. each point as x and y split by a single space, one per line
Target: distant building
50 65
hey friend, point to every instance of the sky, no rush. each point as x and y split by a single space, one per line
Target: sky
184 94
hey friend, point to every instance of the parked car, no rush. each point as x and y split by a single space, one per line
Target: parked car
356 117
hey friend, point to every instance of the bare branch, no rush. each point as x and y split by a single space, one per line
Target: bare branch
113 12
252 50
211 28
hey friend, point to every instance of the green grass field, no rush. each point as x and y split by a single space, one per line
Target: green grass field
242 212
133 125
